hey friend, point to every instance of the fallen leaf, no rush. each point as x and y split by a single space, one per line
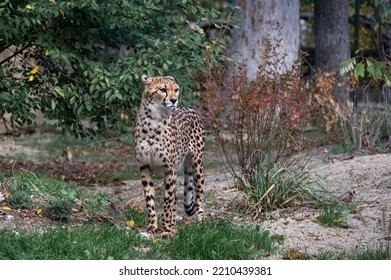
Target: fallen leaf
337 220
38 211
5 207
293 255
349 158
130 223
340 235
34 70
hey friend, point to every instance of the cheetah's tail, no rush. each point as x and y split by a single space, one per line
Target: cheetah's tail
190 209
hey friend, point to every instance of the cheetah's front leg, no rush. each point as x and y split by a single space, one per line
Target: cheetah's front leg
169 213
149 194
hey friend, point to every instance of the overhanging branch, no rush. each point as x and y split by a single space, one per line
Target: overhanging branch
15 54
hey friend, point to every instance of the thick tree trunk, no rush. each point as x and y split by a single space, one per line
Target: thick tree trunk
332 41
262 19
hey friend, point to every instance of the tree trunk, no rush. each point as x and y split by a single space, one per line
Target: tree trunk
332 41
263 19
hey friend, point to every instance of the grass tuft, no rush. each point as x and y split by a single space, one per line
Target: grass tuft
332 217
280 185
380 253
59 210
21 200
217 240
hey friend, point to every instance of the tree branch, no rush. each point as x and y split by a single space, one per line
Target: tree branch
15 54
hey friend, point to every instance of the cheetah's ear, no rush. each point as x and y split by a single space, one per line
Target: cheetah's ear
170 78
146 80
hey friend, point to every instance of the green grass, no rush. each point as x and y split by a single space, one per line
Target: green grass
114 176
216 240
52 146
335 215
77 243
29 190
212 239
381 253
139 217
332 217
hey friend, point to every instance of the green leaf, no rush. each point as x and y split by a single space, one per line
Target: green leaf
118 95
57 90
359 71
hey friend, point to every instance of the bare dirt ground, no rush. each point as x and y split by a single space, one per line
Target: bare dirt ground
364 179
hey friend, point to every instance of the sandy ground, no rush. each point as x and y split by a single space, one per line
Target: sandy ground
368 179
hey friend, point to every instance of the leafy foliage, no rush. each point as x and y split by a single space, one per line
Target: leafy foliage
77 60
375 69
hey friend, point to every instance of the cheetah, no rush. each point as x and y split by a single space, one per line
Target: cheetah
166 137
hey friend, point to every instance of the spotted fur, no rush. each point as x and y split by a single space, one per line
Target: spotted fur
165 137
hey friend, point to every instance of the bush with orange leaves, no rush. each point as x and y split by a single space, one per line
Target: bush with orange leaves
251 116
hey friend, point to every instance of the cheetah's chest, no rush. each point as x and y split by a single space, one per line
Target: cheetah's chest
157 145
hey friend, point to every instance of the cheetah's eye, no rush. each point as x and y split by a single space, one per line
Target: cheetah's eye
176 90
163 90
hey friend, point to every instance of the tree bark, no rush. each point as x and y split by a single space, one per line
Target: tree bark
267 19
332 41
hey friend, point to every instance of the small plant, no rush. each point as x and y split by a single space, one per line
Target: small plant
99 202
21 200
332 217
281 184
369 124
137 216
59 210
343 148
365 127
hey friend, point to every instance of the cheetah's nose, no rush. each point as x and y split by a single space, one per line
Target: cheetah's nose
173 100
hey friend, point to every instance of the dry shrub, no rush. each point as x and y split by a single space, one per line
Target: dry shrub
324 103
250 116
367 126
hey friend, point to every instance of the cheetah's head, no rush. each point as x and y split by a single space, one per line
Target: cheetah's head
161 91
